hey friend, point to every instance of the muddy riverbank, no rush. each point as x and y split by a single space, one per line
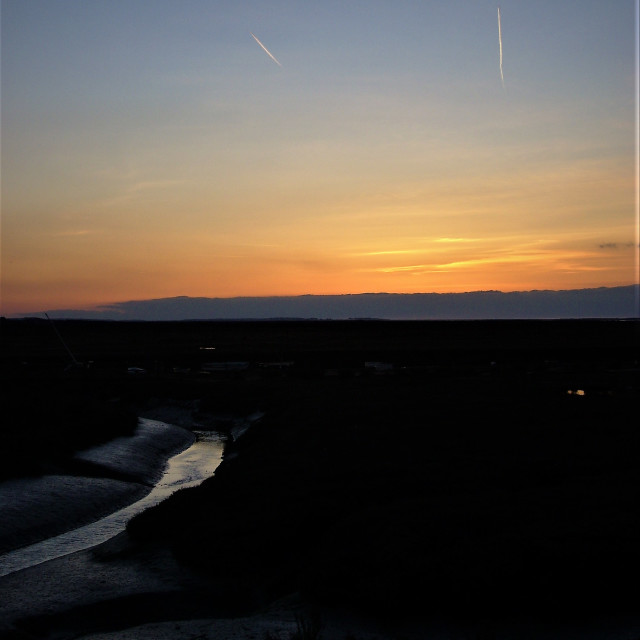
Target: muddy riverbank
490 477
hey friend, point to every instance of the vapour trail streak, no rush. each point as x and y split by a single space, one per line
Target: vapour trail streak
266 50
500 43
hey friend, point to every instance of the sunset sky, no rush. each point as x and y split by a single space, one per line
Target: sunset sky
153 149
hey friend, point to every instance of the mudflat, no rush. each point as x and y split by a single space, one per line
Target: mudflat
476 471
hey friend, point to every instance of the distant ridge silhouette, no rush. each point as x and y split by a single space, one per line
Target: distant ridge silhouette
603 302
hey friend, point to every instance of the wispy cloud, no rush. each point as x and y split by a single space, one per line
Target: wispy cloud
457 240
415 268
72 233
523 256
616 245
140 189
152 185
392 252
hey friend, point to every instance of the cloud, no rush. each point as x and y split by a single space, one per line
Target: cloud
616 245
72 233
420 268
388 253
603 302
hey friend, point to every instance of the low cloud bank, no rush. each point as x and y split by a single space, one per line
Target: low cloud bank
603 302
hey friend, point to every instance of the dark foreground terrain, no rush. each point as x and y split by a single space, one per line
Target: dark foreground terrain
474 467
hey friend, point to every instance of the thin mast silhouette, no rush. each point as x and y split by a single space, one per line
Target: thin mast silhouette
64 344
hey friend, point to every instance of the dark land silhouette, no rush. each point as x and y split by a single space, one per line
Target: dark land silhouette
601 302
399 467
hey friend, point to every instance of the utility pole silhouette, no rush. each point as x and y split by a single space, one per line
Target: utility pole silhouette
75 362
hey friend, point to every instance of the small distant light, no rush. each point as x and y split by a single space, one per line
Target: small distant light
207 348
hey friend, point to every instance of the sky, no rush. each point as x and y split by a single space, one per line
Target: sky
154 148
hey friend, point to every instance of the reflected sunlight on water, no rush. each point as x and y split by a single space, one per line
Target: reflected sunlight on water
186 469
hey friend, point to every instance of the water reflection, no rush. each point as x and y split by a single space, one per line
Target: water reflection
186 469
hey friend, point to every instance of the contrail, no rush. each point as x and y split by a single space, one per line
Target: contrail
266 50
500 42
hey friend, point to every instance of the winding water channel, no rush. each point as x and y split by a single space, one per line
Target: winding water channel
186 469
